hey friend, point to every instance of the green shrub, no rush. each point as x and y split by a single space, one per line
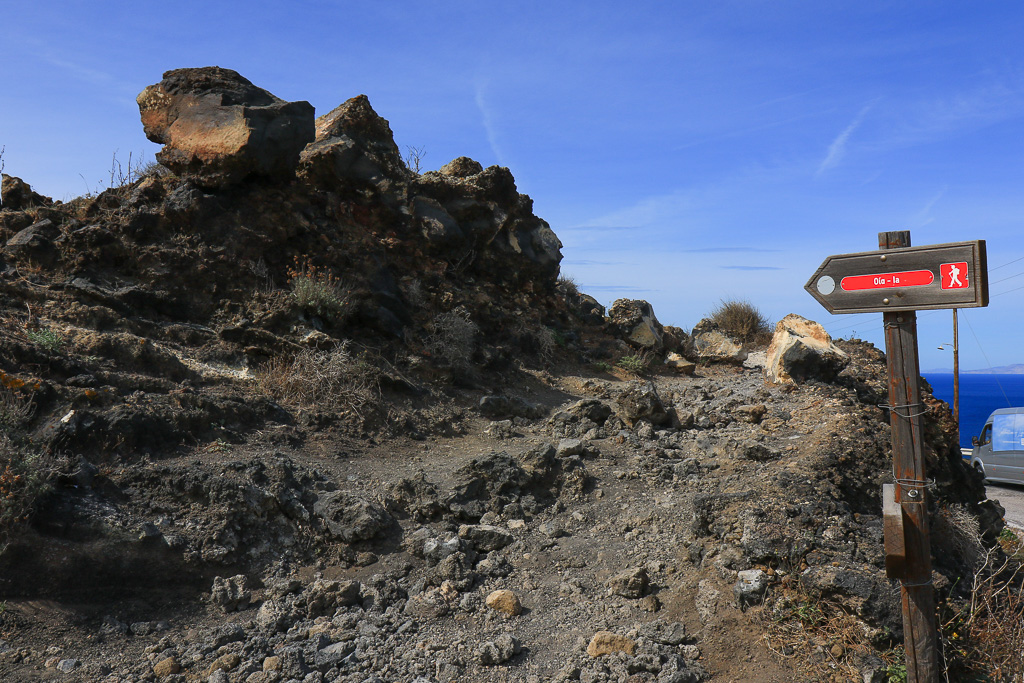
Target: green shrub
741 320
49 340
317 290
637 364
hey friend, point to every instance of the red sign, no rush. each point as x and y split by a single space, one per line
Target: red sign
909 278
954 275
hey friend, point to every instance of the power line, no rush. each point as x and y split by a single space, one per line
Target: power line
1006 264
988 362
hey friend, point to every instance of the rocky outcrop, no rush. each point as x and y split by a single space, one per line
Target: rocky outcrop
633 320
711 343
218 126
353 143
801 349
17 195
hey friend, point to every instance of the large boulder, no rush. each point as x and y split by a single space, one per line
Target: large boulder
353 143
710 343
17 195
801 349
218 126
634 321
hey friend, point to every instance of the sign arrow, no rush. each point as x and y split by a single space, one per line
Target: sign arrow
951 275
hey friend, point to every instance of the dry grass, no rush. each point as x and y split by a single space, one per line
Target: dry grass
820 639
334 381
741 320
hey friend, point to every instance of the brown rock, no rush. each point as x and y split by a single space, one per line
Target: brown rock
216 124
505 601
606 642
462 167
166 667
633 320
801 349
272 664
225 662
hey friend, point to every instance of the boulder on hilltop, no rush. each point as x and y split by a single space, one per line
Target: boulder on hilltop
801 349
352 143
218 126
17 195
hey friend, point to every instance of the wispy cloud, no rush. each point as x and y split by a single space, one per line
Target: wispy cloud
837 150
487 119
599 228
924 217
616 288
716 250
585 262
752 268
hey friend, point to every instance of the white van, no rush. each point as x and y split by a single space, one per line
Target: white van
999 451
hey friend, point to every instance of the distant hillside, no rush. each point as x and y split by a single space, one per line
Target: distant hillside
1017 369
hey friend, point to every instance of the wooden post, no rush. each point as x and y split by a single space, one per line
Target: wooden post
919 620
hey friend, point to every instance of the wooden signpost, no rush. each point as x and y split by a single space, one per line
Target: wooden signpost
899 280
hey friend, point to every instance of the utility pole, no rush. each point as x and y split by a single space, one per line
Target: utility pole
905 410
956 376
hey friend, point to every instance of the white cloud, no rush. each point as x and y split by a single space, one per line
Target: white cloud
837 150
487 120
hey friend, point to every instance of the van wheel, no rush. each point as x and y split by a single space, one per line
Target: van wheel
979 469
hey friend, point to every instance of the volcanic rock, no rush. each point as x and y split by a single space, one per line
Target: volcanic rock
17 195
634 321
217 125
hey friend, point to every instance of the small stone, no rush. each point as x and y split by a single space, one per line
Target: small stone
498 651
750 587
568 447
505 601
552 529
680 364
606 642
166 667
649 603
516 524
66 666
225 662
485 537
272 663
630 584
837 650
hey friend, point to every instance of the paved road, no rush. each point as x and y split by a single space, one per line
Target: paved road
1011 497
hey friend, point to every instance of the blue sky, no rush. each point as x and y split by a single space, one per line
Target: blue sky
684 152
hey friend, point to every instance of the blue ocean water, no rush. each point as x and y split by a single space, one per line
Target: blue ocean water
979 396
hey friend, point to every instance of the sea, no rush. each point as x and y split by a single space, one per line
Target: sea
980 394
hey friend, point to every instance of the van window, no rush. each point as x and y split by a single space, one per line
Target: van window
986 435
1008 432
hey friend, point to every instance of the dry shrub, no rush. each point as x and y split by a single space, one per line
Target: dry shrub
741 320
452 339
983 637
24 478
15 407
323 380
